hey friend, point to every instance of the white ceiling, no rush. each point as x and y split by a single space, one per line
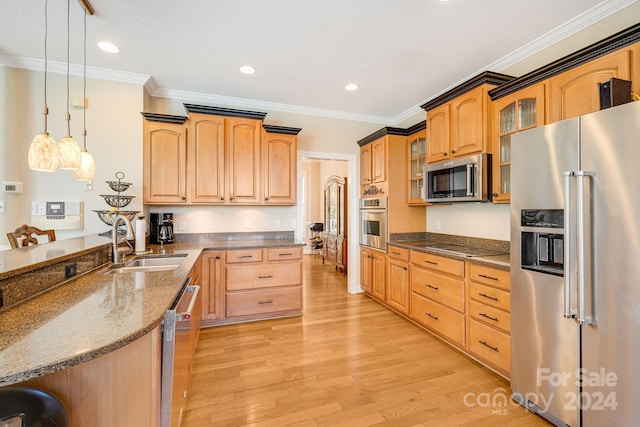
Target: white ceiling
401 52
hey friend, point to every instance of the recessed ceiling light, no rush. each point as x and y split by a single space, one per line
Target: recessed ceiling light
109 47
351 87
247 69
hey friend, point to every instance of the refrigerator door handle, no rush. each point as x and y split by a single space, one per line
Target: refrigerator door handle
584 255
568 313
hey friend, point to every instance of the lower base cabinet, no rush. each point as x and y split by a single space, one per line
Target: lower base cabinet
252 284
464 303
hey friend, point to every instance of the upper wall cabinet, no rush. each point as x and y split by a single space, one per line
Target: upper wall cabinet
458 122
519 111
279 164
164 159
575 92
219 156
416 159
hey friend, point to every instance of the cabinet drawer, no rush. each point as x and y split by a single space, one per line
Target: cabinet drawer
438 318
490 345
398 253
490 296
265 275
284 254
443 289
489 276
330 243
245 255
438 263
490 315
264 301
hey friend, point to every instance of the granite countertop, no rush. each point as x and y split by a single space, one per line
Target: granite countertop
495 256
95 313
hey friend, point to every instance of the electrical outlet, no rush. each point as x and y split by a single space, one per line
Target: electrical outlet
438 225
71 270
1 206
277 223
182 225
247 224
293 223
88 185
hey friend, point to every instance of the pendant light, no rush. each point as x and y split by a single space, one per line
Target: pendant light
43 151
68 149
87 169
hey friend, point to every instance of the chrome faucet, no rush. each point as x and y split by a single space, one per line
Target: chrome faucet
114 238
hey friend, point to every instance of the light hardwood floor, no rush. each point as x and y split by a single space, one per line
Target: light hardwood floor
348 361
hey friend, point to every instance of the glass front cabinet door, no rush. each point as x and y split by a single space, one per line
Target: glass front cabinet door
416 156
516 112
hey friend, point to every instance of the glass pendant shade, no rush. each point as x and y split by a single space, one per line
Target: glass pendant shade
43 153
68 153
87 169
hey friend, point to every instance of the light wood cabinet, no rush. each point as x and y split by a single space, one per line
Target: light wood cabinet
263 283
416 159
335 222
372 273
437 295
488 320
279 159
206 159
398 279
373 158
462 125
218 159
514 113
243 161
575 92
164 160
213 283
459 127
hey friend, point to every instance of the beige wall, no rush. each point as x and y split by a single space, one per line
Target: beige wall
114 130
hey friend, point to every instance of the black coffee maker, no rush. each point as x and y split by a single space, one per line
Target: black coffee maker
161 228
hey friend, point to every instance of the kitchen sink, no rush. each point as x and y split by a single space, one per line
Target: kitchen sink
148 263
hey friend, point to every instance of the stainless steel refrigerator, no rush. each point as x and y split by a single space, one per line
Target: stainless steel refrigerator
575 269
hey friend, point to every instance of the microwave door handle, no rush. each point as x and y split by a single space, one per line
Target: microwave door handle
469 179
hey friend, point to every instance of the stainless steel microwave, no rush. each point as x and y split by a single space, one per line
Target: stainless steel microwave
466 179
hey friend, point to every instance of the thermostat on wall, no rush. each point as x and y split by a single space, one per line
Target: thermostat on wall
12 187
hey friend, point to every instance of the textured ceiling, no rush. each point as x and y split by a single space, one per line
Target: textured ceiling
400 52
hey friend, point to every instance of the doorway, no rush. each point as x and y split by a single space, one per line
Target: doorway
333 160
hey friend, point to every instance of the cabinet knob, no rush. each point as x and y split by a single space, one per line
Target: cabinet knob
495 194
445 154
222 198
217 256
183 198
453 151
404 268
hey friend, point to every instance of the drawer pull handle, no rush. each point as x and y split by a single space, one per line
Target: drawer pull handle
269 301
287 254
487 277
435 288
489 297
246 256
484 343
432 316
265 277
495 319
430 262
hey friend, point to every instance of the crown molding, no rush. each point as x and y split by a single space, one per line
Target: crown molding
74 69
264 105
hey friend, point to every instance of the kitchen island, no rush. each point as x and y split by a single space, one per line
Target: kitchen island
94 340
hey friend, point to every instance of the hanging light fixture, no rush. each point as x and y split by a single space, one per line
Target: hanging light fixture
87 169
43 151
68 149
